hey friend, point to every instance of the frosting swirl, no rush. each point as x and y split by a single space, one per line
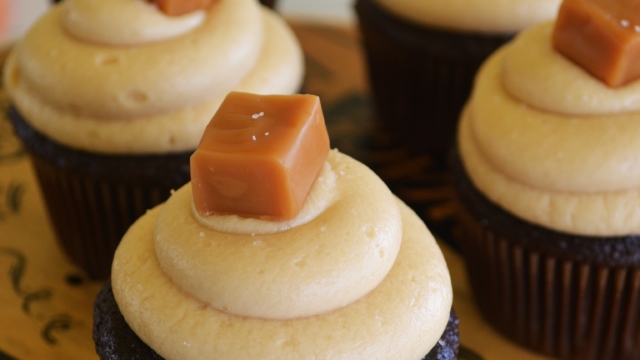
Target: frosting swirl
320 196
370 257
158 95
493 17
551 144
124 22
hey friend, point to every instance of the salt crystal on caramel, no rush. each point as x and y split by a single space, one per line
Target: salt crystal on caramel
601 36
181 7
259 156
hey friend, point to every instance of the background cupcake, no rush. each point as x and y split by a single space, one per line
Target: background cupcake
107 104
423 55
549 218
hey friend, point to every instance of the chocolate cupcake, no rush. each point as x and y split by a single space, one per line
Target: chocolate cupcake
423 55
549 222
348 275
106 105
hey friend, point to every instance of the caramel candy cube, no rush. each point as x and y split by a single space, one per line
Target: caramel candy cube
259 156
181 7
601 36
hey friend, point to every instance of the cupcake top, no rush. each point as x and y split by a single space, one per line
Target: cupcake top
359 278
552 144
121 77
479 16
351 273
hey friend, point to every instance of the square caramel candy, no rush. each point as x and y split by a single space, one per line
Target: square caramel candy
259 156
181 7
601 36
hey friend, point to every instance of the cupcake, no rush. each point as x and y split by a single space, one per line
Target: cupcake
548 194
348 276
110 97
423 55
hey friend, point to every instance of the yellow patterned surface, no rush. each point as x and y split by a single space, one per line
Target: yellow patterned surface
46 302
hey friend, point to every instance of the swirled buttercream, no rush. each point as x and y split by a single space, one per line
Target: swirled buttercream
551 144
316 270
492 17
359 238
124 22
156 96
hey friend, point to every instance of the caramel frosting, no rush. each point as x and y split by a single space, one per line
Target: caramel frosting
121 77
483 16
362 279
552 144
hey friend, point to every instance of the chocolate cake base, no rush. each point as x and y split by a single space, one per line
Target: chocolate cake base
563 295
420 76
115 340
92 199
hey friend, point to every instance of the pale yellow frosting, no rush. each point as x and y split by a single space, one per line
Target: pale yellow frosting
550 143
481 16
152 97
124 22
354 240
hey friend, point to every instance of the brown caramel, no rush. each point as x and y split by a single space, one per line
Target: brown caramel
601 36
259 156
181 7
